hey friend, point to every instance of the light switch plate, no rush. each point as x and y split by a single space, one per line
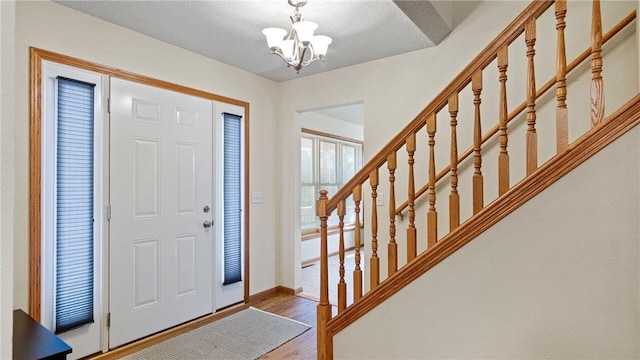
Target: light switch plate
256 197
380 199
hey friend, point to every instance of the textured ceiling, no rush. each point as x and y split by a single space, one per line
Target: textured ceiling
230 30
353 113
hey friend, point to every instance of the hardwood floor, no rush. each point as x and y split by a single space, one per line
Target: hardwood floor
298 308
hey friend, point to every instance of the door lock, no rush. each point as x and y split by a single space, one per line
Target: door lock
206 208
207 224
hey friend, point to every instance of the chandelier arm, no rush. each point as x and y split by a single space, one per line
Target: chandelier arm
279 53
300 63
311 61
312 57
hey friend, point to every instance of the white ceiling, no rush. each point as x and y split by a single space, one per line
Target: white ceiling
230 30
352 113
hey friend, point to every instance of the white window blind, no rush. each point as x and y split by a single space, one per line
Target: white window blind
74 198
232 183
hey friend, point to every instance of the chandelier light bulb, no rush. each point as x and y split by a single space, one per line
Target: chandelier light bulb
320 45
274 37
304 30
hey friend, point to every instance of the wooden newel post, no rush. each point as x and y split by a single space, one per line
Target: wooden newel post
324 308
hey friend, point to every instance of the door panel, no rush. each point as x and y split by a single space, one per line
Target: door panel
161 179
146 158
185 265
185 190
145 273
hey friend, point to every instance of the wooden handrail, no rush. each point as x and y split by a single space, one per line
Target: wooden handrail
506 37
614 126
520 108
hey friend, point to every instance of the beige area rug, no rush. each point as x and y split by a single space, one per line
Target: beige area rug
311 277
245 335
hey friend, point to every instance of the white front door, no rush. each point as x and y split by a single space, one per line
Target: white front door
161 189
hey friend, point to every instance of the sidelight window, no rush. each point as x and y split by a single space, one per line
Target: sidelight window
71 200
74 198
232 185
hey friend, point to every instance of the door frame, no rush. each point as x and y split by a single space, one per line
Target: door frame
36 58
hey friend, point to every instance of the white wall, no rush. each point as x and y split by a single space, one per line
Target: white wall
315 121
558 283
7 121
395 89
53 27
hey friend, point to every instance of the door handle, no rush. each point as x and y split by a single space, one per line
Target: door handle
207 224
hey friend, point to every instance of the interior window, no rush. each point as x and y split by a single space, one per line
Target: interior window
326 163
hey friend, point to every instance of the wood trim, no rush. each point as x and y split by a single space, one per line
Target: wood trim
306 262
331 136
35 176
126 75
332 230
37 56
288 291
274 291
168 334
616 125
577 61
271 292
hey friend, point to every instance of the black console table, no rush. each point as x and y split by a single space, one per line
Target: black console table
32 341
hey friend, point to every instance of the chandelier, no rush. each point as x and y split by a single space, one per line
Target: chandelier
299 47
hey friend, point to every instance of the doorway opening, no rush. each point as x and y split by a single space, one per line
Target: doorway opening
331 152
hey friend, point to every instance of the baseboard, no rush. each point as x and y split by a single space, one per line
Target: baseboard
307 262
273 291
288 291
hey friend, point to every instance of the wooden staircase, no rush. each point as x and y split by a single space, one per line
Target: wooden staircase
388 271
